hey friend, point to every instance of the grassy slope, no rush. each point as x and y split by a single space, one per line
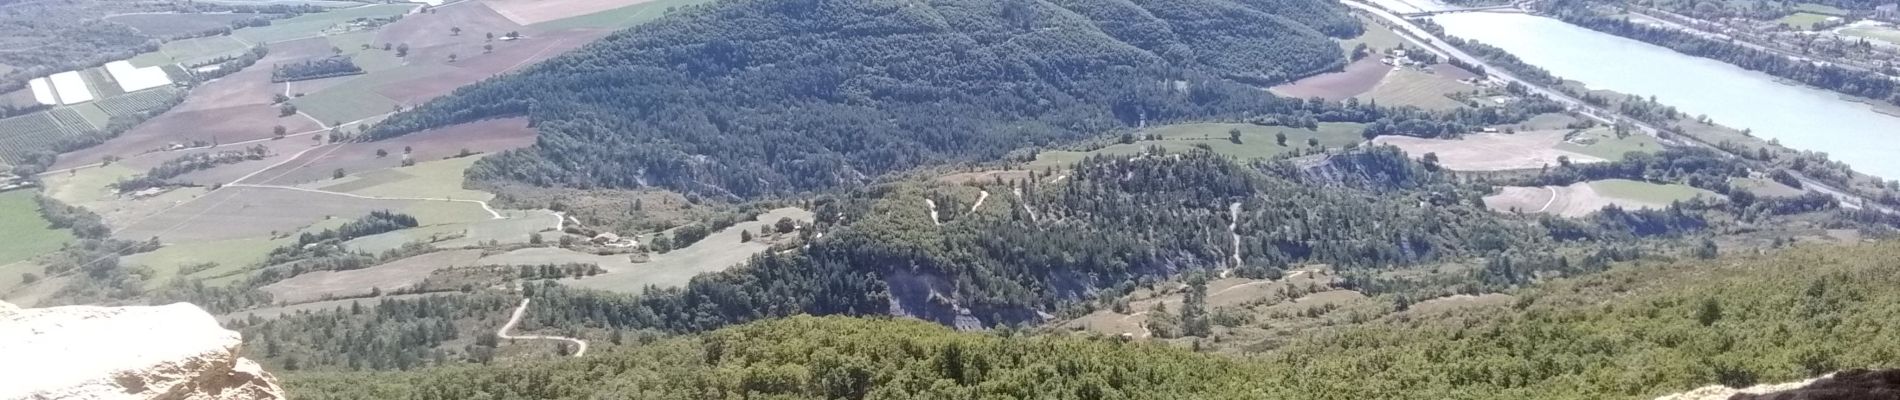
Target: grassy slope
1609 147
1802 20
1257 142
27 234
1636 331
1647 192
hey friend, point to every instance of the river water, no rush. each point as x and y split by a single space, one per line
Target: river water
1800 117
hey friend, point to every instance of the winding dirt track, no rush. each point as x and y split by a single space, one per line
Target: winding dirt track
581 345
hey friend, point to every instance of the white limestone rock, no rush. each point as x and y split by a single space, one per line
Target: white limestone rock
166 352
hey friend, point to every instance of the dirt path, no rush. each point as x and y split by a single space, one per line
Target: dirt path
491 211
980 197
1019 198
1233 221
580 350
1145 333
933 212
1553 199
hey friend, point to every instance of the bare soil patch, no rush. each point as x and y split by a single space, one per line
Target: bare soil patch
985 177
1358 78
393 275
1577 200
1491 151
430 36
529 12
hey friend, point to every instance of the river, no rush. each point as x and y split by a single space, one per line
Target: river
1800 117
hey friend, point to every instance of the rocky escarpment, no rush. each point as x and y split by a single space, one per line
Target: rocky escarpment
172 352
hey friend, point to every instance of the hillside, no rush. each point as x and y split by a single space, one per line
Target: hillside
746 98
1633 332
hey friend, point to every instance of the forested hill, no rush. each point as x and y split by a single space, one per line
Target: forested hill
1631 333
756 97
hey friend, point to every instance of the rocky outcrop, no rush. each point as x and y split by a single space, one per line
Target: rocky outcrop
171 352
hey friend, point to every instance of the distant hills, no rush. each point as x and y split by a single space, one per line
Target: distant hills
749 97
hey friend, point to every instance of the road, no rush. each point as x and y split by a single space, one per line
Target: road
1668 20
580 345
1415 34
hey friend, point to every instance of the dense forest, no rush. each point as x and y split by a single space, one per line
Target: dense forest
1866 84
1637 331
751 97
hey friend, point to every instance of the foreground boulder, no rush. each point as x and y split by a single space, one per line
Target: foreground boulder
167 352
1856 384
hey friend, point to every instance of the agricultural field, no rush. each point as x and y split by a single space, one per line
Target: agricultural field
1493 151
397 274
70 120
100 82
1872 30
92 114
635 12
23 135
1764 187
1358 78
357 98
27 233
1411 87
1581 199
1821 9
371 59
1604 143
434 179
313 25
192 51
1377 37
1648 193
140 101
716 252
172 24
1256 142
1803 20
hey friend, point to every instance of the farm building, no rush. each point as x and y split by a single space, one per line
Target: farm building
70 87
132 79
43 91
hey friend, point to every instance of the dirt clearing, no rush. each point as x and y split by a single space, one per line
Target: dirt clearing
1582 198
1491 151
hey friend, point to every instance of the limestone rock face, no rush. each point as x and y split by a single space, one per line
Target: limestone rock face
171 352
